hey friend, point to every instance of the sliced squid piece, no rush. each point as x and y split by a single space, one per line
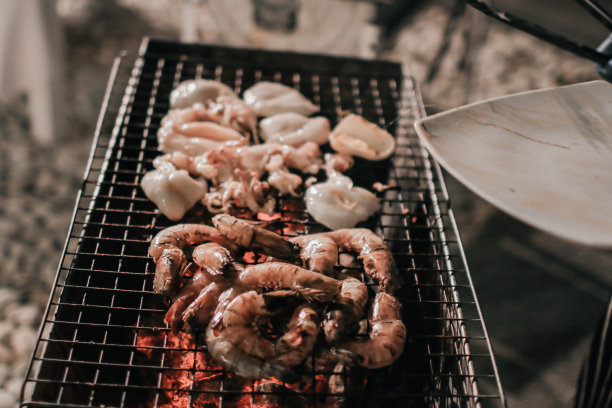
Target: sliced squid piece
199 90
271 98
195 138
337 204
355 136
172 190
294 129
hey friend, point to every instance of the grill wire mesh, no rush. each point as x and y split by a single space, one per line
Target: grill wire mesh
90 352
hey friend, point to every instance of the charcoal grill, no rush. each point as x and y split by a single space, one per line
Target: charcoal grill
89 351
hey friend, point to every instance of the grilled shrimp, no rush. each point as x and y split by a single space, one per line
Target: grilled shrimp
238 345
386 338
295 345
181 235
374 253
167 250
343 319
271 276
318 252
232 358
251 237
239 325
214 258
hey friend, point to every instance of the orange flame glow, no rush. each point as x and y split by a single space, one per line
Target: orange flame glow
193 379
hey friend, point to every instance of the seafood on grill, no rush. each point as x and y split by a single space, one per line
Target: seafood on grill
207 272
271 276
264 320
245 189
166 248
174 191
293 129
199 90
271 98
373 252
238 174
251 236
195 137
356 136
317 252
385 340
224 352
337 204
237 342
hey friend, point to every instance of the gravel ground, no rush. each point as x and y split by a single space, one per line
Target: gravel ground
38 184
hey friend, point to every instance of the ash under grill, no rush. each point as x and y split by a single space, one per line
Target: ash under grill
104 343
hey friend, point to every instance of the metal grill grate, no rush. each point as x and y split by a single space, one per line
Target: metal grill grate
90 350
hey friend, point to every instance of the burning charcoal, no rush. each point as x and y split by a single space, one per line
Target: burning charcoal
272 394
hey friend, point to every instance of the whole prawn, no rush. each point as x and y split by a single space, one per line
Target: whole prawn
386 337
171 262
181 235
232 358
321 251
238 345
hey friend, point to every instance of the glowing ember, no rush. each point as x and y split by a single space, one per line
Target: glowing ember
191 378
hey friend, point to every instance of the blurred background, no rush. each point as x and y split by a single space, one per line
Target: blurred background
541 297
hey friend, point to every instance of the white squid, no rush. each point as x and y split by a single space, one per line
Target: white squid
337 204
172 190
355 136
199 90
294 129
270 98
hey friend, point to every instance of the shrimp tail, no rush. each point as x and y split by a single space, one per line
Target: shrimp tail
269 243
279 372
